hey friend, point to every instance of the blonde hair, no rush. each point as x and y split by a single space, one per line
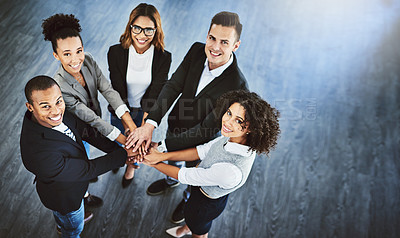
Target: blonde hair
151 12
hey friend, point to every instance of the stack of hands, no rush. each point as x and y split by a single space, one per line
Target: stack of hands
139 147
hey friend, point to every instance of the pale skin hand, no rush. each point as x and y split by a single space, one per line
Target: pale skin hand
140 135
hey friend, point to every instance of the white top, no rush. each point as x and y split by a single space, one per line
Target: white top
65 130
209 75
138 74
224 175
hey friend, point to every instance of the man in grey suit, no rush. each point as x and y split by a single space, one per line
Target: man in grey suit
207 71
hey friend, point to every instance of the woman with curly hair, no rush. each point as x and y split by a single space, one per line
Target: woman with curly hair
249 125
80 78
139 67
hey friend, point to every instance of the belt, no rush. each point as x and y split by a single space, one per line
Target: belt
135 109
205 194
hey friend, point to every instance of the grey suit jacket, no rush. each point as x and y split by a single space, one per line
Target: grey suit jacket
77 99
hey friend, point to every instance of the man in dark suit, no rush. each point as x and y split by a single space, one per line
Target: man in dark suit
206 72
52 149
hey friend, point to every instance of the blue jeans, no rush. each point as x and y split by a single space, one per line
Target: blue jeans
137 116
72 223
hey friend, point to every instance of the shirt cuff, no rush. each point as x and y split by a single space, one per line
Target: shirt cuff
113 134
151 122
182 175
121 110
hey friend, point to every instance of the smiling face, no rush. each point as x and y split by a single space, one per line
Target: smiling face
47 106
70 54
220 43
142 42
234 125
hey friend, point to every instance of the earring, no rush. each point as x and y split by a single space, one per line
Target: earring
247 133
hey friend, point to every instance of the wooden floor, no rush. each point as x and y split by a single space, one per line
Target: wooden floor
331 67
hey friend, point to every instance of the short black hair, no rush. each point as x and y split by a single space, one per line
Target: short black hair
38 83
229 19
60 26
262 119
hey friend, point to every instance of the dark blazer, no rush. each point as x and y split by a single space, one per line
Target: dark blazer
118 65
192 121
60 164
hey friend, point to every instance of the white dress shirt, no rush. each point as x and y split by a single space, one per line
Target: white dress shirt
224 175
65 130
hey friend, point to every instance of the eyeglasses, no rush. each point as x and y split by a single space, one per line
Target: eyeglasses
147 31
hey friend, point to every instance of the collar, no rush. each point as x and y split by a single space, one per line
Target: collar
235 148
218 71
60 127
149 51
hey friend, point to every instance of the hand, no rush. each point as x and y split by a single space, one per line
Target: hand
148 163
154 156
140 135
131 153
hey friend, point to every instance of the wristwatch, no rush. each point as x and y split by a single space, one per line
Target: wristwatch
160 147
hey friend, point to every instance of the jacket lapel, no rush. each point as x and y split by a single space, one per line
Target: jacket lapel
91 84
75 85
198 70
218 80
124 68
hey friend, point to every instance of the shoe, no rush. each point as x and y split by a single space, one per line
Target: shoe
159 186
88 217
126 182
177 215
93 201
115 170
172 232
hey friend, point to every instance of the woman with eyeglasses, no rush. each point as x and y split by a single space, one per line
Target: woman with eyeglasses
139 67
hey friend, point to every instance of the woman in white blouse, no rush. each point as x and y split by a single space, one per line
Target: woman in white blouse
248 126
139 67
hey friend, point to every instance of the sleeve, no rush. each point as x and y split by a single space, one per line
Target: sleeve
104 86
86 114
159 78
224 175
171 90
116 76
52 165
97 140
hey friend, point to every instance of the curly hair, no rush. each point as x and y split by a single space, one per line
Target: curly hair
60 26
261 118
151 12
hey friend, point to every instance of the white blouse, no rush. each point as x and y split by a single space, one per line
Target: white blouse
138 74
224 175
